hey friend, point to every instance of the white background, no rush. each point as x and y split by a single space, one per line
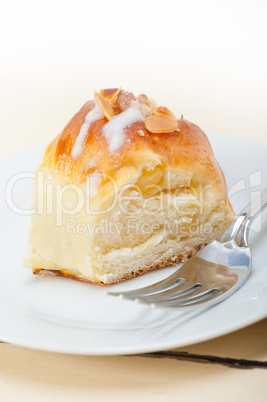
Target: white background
205 59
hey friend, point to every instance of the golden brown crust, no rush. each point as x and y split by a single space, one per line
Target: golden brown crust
80 278
186 149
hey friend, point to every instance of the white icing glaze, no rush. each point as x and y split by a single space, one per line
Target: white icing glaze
114 129
95 114
92 184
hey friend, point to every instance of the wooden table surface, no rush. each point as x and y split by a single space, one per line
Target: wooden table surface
229 368
232 367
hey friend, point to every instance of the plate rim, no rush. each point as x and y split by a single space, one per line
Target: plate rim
134 349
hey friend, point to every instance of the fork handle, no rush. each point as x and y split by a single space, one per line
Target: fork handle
240 227
251 211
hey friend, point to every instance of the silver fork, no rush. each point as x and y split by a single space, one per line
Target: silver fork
212 274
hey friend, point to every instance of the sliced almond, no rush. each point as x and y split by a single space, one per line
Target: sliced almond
105 106
164 110
144 109
144 99
114 97
160 123
153 104
125 100
46 272
141 133
110 94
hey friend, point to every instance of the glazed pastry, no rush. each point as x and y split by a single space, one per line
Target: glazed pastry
125 188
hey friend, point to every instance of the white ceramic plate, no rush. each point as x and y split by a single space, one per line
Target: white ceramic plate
61 315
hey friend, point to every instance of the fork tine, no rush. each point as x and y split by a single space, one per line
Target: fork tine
195 300
166 284
162 296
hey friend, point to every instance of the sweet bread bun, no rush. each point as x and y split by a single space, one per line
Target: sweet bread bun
123 189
